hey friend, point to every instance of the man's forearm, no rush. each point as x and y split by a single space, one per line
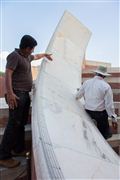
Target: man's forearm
39 56
109 105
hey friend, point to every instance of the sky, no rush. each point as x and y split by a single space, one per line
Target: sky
40 18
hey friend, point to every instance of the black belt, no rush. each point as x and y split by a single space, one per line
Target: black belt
20 91
95 111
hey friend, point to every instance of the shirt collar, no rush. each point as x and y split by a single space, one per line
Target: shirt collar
98 77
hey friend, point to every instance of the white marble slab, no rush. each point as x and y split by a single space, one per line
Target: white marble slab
66 143
3 104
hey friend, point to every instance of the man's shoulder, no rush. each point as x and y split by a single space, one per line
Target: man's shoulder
12 54
89 80
102 82
105 84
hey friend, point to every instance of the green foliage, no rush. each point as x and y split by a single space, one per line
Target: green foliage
2 73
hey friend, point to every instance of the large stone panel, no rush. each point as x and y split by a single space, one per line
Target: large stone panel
66 144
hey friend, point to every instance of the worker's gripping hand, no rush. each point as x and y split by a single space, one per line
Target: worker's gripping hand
114 122
48 56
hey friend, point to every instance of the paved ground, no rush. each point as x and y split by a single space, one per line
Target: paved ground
19 172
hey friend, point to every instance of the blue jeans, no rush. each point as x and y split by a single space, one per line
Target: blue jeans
14 135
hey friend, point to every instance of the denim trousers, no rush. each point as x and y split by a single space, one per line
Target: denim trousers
14 135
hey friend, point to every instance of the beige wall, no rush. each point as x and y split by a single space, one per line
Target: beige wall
92 64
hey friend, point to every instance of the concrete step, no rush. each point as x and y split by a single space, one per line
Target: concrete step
20 172
15 173
114 142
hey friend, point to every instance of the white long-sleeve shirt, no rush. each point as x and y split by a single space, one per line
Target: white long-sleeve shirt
98 96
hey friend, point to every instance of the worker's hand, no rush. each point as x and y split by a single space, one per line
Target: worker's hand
114 124
12 100
48 56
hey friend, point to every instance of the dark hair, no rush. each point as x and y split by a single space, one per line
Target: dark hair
27 41
100 75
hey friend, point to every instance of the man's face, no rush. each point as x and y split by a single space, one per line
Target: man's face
29 51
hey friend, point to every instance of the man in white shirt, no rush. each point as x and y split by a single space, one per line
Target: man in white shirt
99 101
